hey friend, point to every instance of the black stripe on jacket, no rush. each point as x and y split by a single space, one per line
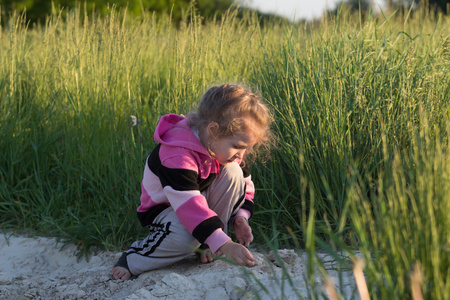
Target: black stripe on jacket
206 228
178 179
249 205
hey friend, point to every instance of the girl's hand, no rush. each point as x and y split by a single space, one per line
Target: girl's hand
243 231
238 253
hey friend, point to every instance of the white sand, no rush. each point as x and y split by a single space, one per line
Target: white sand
37 268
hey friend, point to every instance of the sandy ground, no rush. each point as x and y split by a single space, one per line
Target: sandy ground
37 268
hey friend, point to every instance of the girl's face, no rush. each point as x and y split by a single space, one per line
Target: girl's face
232 148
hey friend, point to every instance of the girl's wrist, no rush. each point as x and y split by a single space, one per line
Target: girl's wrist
243 218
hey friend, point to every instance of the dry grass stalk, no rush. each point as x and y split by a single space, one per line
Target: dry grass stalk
329 289
360 280
416 282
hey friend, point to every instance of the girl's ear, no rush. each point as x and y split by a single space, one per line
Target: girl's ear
213 130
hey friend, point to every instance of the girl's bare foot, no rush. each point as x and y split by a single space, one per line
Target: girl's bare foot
120 273
206 257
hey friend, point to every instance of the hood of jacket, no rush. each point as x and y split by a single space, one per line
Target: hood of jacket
174 130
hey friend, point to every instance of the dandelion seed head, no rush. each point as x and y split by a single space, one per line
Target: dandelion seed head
133 121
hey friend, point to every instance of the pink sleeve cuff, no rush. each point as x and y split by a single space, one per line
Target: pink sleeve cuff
216 240
241 213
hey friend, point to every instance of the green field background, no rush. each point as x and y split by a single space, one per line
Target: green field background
361 109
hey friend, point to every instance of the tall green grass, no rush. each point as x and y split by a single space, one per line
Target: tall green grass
336 92
71 164
361 107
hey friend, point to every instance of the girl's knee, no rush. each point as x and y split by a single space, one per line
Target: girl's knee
232 172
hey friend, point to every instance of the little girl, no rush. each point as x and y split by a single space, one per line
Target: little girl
196 183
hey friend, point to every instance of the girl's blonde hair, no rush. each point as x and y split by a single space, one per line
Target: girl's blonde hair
235 109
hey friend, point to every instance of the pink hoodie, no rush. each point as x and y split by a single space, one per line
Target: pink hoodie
176 173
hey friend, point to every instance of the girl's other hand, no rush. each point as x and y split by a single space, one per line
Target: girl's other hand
243 231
